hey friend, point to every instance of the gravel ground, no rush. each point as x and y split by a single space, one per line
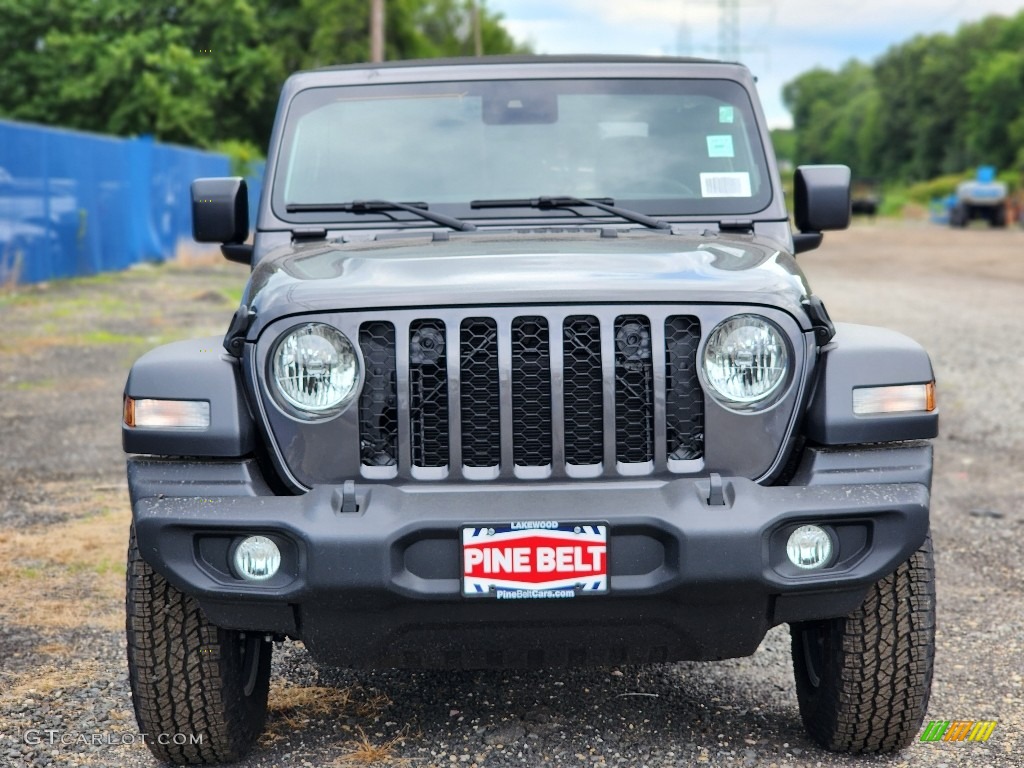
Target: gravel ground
64 697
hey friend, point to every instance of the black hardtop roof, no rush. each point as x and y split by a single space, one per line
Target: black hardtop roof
590 58
538 66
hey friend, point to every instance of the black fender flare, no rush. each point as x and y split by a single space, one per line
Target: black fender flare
196 369
866 356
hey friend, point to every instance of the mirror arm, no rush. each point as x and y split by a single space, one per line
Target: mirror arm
806 241
237 252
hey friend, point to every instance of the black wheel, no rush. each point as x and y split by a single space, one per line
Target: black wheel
999 216
199 691
863 681
958 216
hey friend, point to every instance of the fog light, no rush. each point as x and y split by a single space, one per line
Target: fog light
257 558
809 547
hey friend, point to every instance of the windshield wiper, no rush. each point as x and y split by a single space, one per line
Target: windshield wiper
382 206
567 201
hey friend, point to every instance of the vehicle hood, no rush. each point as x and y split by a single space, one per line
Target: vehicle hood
525 268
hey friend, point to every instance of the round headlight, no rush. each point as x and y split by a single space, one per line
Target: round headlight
315 369
745 360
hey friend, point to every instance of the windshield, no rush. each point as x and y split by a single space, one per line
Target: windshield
670 147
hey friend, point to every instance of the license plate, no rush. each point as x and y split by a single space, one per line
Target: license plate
536 559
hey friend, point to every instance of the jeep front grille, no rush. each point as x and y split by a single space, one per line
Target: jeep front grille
531 395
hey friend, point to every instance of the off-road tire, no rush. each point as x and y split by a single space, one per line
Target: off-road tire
863 681
199 691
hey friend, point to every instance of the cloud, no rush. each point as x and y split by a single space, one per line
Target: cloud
779 39
808 17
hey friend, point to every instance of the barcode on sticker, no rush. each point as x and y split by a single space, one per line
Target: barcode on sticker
725 184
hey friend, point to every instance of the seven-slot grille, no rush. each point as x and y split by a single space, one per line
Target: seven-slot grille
531 395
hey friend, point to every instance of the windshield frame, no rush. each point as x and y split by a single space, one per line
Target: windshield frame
764 204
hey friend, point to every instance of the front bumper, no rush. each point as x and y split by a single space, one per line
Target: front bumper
371 573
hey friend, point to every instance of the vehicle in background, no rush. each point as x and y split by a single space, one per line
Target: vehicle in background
865 197
983 198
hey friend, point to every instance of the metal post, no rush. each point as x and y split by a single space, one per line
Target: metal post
729 30
478 34
376 30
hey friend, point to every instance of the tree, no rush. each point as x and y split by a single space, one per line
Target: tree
932 105
996 119
831 112
175 71
201 71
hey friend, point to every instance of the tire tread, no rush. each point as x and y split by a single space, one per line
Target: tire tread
185 674
878 666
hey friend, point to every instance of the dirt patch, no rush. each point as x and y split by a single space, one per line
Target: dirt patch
66 575
64 514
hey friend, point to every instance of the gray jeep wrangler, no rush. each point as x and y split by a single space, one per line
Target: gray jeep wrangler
526 373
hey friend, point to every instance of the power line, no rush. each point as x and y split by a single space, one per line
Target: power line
729 30
730 45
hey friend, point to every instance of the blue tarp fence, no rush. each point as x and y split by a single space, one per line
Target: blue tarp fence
75 203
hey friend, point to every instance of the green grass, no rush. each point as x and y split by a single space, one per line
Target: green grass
31 386
106 565
14 297
893 203
101 338
110 306
101 567
234 295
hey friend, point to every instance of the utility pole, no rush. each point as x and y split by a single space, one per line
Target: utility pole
729 30
376 30
478 33
684 40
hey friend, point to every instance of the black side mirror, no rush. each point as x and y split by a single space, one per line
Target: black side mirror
220 214
821 198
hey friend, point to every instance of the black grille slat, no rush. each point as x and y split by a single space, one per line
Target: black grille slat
684 400
378 402
480 393
428 393
583 390
634 390
531 392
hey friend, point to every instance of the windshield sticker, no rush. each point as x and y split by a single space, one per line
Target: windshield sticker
725 114
720 146
725 184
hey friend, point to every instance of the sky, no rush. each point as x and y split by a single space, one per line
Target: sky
778 39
